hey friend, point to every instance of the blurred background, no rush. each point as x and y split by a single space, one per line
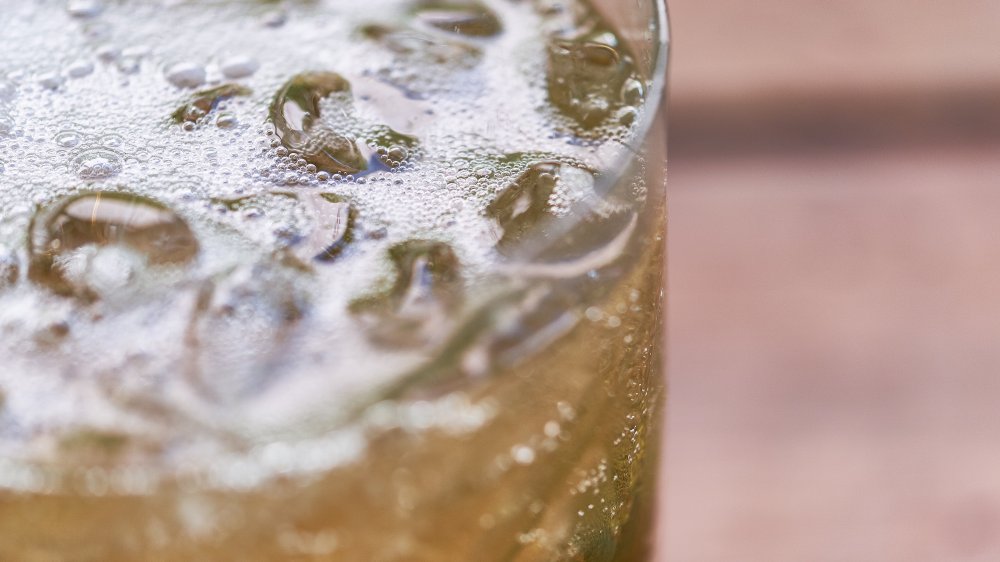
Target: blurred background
835 281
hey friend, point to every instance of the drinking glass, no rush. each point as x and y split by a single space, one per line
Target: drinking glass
546 451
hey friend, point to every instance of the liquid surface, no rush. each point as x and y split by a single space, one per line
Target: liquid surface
230 224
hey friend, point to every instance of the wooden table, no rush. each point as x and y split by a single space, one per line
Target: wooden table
835 282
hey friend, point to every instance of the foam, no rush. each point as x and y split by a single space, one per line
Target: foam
86 96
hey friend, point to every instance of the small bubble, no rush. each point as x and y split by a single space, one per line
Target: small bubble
97 163
7 90
129 65
84 8
108 53
523 454
80 68
112 140
566 410
239 67
6 126
274 18
186 74
50 80
226 121
67 139
552 429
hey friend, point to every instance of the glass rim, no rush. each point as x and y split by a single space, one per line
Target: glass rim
656 98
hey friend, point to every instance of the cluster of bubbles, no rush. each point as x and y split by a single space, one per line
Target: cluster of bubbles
218 200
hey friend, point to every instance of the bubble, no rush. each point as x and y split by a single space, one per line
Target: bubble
7 125
50 80
274 18
627 115
239 67
523 455
108 53
112 140
67 139
186 74
84 8
226 121
80 68
102 219
7 90
97 164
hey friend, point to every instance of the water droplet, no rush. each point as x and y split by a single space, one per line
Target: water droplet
7 91
239 67
67 139
84 8
186 74
79 69
226 121
104 219
112 140
97 163
108 53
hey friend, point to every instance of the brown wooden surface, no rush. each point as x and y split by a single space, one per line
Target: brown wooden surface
835 282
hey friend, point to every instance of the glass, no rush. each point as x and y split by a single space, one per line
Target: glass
558 456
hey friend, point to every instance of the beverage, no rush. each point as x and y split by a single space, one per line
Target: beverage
306 281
